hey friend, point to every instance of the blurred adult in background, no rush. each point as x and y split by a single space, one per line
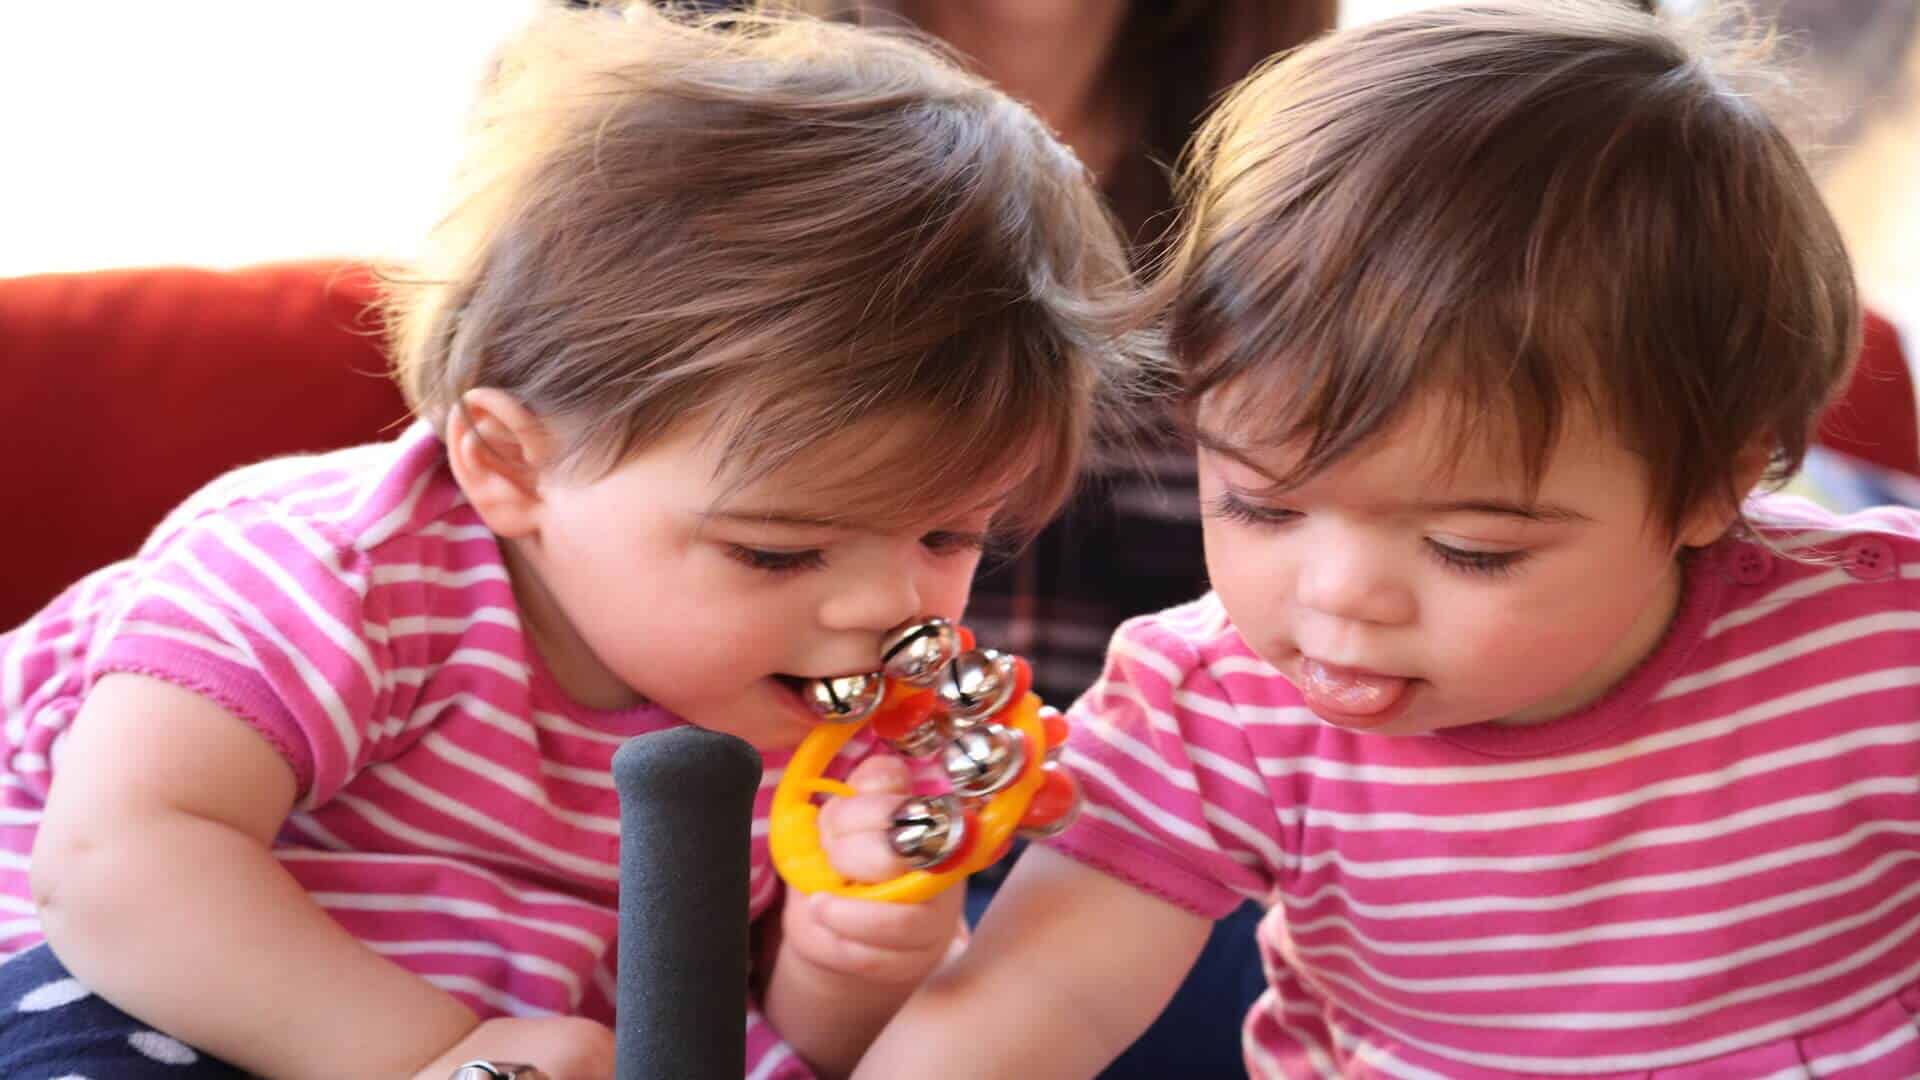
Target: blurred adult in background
1123 82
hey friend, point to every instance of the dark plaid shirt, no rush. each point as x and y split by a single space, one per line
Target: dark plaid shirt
1128 544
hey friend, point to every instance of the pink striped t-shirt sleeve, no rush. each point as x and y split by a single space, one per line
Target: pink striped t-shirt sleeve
1174 800
263 614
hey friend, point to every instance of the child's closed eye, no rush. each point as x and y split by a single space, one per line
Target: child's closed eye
1476 562
777 562
1228 506
771 561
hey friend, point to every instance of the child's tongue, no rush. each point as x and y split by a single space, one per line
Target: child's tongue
1343 695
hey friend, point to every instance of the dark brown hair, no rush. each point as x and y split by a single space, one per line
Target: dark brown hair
1529 208
789 226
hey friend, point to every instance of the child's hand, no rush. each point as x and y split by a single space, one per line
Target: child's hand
562 1047
894 944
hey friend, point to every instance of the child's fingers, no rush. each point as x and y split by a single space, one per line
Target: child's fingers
854 828
854 831
824 948
901 928
863 813
882 772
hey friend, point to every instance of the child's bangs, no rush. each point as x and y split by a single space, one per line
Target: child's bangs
913 463
1313 394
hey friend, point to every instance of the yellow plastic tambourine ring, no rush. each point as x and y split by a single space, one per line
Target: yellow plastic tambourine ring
793 836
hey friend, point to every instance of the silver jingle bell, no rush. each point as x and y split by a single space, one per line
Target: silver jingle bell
927 829
923 741
976 685
845 698
916 650
981 760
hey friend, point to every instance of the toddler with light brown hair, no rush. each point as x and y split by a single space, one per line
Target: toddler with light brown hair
740 342
1551 749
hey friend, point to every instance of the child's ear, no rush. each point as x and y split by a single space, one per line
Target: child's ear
498 448
1711 522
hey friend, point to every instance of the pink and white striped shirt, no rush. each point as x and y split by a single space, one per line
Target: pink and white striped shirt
456 809
1712 872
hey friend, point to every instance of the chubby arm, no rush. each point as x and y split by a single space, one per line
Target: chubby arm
832 989
842 967
157 888
1068 967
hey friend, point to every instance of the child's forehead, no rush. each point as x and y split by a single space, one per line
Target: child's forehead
872 474
848 500
1435 446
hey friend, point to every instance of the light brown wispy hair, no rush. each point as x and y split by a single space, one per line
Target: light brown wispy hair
1518 209
789 226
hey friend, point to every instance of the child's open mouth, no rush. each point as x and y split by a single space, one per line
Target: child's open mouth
802 690
1350 697
792 689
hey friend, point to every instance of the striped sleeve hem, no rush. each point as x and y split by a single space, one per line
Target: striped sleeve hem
256 706
1113 852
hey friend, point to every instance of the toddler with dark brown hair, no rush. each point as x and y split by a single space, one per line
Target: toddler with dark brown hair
739 343
1550 750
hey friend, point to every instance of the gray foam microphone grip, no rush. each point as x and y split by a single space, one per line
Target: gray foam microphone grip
686 819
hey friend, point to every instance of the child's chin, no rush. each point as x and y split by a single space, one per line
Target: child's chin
766 717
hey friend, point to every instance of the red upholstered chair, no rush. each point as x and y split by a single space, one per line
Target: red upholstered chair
1875 420
128 389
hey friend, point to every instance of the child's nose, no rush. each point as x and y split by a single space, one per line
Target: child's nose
1349 582
875 603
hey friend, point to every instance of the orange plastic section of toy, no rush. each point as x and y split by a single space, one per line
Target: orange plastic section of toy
1057 797
793 836
894 721
1057 728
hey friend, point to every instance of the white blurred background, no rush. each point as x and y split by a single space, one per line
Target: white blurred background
225 132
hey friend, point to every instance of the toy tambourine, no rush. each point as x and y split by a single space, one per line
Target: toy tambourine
938 695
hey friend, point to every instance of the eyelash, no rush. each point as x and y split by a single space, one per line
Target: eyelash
1230 507
1488 563
782 563
777 563
952 543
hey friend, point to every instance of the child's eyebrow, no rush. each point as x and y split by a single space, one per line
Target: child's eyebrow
777 517
815 521
1547 513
